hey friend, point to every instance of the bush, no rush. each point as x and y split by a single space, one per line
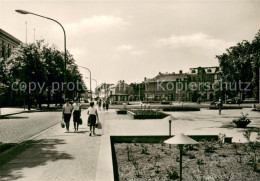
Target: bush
148 114
181 109
172 173
225 107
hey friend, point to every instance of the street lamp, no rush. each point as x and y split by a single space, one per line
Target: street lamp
92 79
89 79
180 140
65 56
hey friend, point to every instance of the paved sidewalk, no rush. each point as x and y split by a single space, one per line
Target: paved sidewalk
56 155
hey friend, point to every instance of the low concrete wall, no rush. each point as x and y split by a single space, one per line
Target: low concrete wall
105 170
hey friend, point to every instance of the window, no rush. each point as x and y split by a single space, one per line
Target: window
9 50
193 71
209 70
2 49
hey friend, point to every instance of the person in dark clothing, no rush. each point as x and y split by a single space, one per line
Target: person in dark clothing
107 104
220 106
66 114
93 118
76 115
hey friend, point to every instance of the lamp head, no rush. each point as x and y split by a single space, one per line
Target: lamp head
22 11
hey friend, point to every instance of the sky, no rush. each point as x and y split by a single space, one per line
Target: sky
132 39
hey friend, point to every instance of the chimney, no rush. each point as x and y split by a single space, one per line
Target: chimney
145 79
180 72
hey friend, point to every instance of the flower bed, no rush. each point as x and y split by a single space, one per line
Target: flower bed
146 114
207 161
121 111
181 109
225 107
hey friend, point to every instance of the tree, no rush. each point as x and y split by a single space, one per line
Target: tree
240 64
41 66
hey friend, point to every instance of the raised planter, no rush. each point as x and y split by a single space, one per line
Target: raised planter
241 124
121 111
146 114
242 121
181 109
226 107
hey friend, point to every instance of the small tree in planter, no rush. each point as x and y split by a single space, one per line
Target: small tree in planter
243 121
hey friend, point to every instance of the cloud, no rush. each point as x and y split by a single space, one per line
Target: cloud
130 49
196 40
96 23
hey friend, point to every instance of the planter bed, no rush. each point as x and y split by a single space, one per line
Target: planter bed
121 111
146 114
156 161
225 107
181 109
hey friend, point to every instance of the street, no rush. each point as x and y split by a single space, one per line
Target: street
17 128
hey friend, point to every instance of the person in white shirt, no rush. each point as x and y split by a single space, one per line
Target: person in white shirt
76 115
66 114
93 118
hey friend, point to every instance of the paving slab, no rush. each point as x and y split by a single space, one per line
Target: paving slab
56 155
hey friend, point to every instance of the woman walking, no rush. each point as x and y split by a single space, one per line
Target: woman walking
66 114
93 118
76 114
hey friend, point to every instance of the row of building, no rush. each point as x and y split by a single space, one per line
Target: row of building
198 84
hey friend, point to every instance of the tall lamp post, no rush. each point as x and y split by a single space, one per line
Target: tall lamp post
92 79
65 55
89 79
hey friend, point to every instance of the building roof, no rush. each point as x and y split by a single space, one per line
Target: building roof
167 77
118 84
9 36
207 70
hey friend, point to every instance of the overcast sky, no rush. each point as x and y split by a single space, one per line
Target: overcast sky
132 39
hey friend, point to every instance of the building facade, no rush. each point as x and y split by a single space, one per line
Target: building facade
120 92
197 84
138 91
7 44
102 90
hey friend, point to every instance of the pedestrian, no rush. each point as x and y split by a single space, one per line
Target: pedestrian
220 106
99 104
76 114
104 105
107 104
66 114
93 118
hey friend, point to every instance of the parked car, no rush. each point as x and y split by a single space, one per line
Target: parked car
233 101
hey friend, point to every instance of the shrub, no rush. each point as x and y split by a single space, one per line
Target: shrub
181 109
209 147
200 161
172 174
144 149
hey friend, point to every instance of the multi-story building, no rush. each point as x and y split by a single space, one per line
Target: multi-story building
120 92
7 44
165 86
195 85
205 78
102 91
138 89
